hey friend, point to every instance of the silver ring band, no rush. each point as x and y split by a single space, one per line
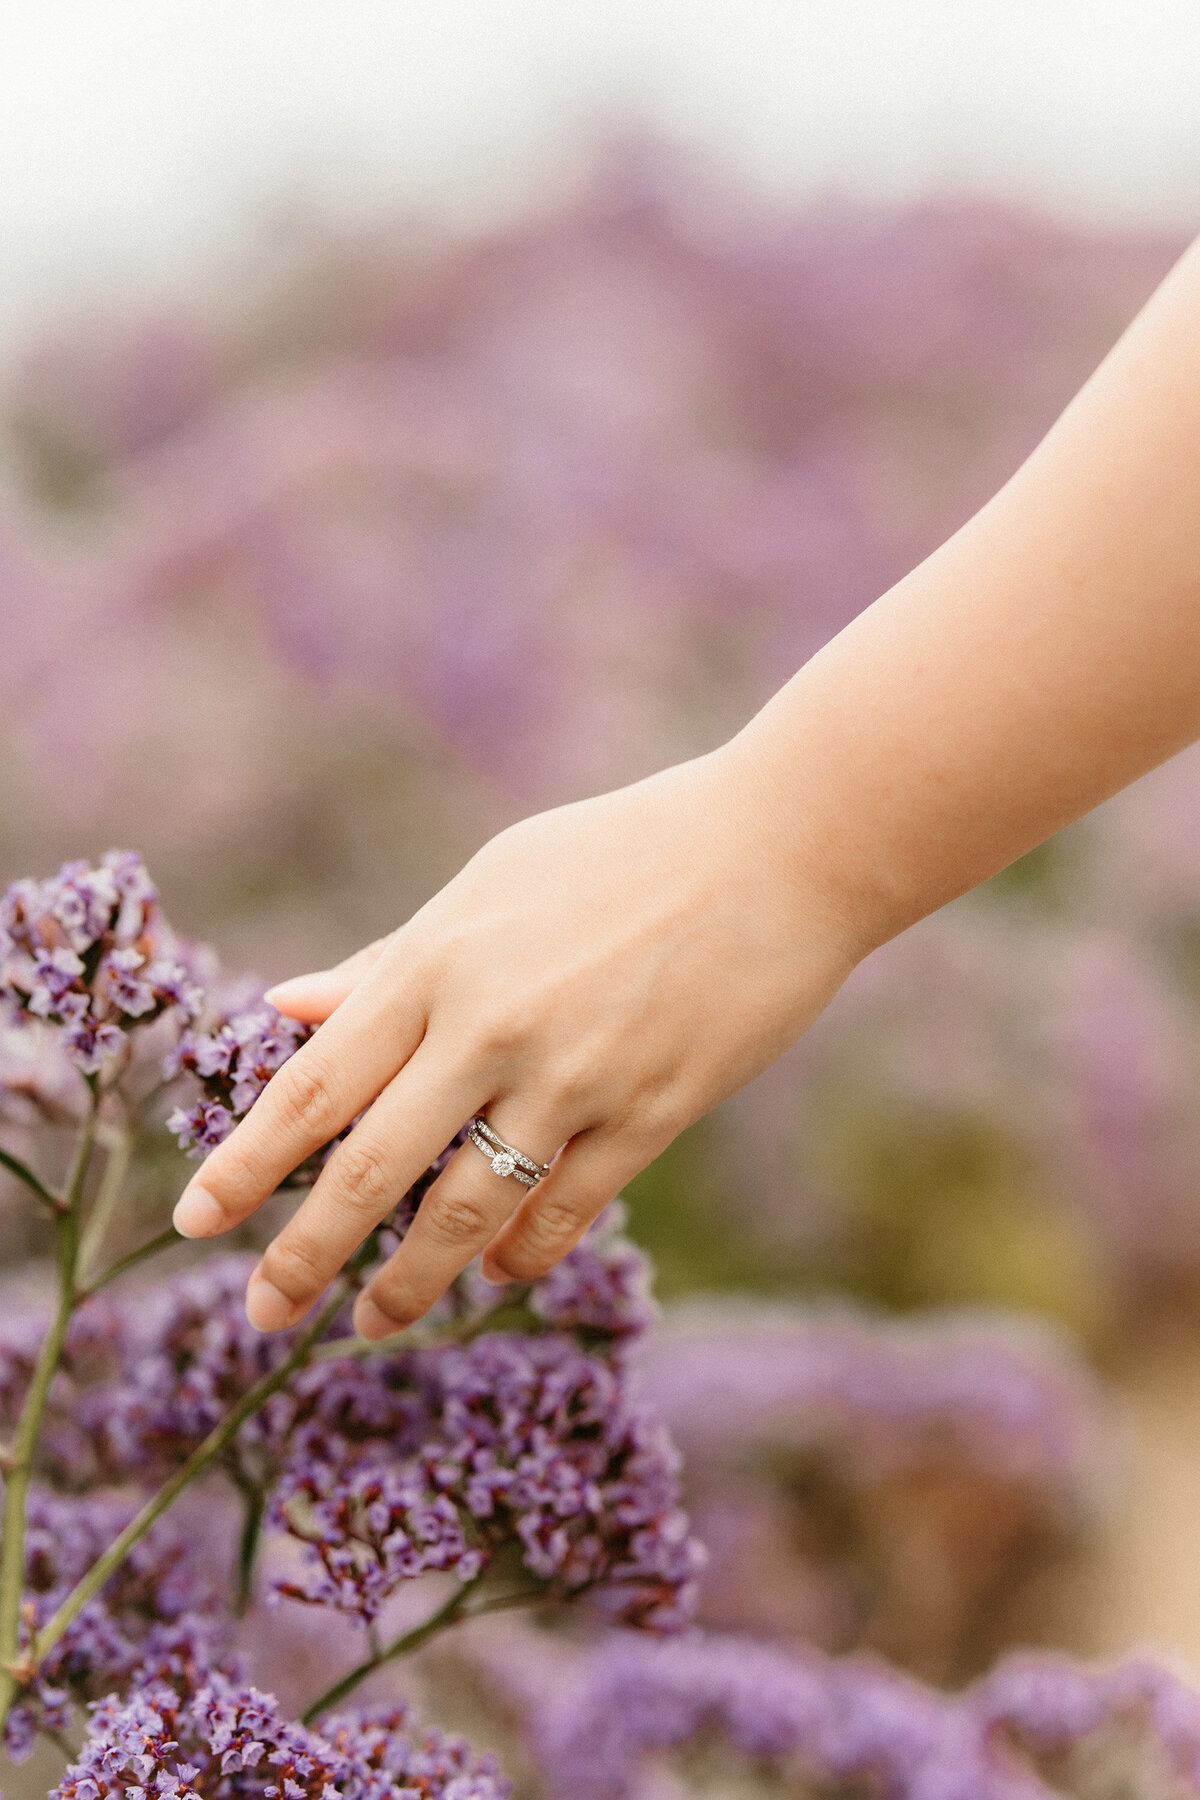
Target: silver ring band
505 1159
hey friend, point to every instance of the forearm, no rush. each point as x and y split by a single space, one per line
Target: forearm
1043 657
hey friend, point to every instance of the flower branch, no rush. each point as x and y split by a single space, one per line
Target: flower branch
19 1464
452 1610
25 1174
164 1240
201 1459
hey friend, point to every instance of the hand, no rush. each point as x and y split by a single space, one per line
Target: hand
592 981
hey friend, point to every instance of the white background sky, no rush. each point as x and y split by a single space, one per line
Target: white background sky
138 137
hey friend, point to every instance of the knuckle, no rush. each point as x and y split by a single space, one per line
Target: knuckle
501 1028
302 1092
573 1087
652 1118
394 1295
554 1222
543 1238
456 1220
242 1167
361 1178
294 1265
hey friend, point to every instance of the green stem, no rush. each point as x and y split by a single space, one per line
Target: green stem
20 1463
201 1459
21 1170
163 1241
107 1195
447 1614
255 1503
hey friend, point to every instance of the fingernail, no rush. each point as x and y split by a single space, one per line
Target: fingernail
494 1274
197 1214
266 1308
296 984
370 1321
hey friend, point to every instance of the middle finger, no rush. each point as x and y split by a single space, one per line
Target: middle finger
410 1123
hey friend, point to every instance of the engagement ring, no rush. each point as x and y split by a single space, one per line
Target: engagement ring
505 1158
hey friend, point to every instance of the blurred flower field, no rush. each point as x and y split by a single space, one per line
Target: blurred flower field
311 582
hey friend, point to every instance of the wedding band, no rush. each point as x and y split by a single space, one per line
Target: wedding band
505 1159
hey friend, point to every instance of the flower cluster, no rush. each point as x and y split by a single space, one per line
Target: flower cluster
154 1609
233 1064
186 1357
517 1442
601 1290
141 1386
89 951
512 1438
1023 1733
997 1392
227 1739
827 1447
73 1450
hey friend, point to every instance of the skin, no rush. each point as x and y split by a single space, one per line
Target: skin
599 976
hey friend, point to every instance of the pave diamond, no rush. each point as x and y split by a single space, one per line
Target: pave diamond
503 1163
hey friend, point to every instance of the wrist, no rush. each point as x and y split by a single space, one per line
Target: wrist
795 831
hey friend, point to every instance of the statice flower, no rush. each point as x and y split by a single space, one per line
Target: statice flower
601 1289
386 1753
1032 1730
515 1438
233 1064
368 1529
227 1741
153 1607
827 1446
88 950
141 1386
73 1451
188 1355
1005 1394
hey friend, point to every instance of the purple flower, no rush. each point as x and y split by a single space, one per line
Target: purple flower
367 1531
233 1064
601 1289
1011 1737
510 1438
226 1740
89 951
998 1392
55 974
202 1127
153 1607
188 1355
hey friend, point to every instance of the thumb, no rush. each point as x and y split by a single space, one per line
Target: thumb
311 998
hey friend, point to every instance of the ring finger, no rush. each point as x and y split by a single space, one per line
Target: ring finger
459 1216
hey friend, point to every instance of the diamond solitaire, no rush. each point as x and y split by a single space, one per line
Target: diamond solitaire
505 1159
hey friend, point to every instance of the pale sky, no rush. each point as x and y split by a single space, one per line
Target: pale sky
138 137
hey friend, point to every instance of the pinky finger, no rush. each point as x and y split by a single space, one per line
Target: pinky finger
585 1177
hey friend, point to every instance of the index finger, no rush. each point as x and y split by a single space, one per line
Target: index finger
344 1065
